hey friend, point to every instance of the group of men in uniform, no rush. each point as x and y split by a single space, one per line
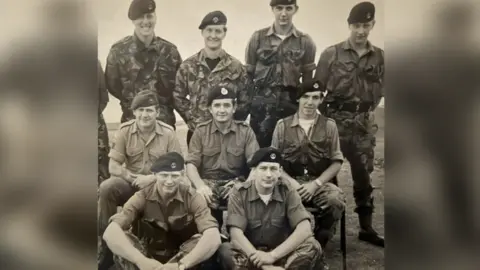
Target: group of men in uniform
264 172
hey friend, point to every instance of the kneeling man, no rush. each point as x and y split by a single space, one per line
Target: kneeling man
269 226
178 230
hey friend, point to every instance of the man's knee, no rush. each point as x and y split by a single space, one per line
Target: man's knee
225 256
306 254
331 199
111 187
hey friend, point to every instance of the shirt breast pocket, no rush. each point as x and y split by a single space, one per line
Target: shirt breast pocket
254 224
235 157
295 55
210 156
180 222
134 154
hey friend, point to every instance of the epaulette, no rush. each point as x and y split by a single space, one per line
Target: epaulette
128 123
245 185
204 123
163 124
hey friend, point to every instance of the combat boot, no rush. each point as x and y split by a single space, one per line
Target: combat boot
367 233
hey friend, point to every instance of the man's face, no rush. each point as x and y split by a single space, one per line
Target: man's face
146 116
214 35
309 102
145 25
359 32
284 13
267 174
222 109
167 182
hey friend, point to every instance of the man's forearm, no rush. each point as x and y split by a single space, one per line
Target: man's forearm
205 248
117 170
120 245
194 176
330 172
291 180
240 241
299 235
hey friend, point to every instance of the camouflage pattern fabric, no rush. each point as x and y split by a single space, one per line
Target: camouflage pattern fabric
220 188
103 150
177 255
307 256
194 79
132 67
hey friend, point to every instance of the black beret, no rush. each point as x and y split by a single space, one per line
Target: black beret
169 162
310 86
361 13
213 18
220 92
140 7
282 2
145 98
267 154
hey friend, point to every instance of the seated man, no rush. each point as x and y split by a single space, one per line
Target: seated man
180 231
269 226
219 150
310 148
137 144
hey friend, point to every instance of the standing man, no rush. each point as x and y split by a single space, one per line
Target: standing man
219 151
269 226
137 144
310 148
353 72
180 233
103 144
210 67
143 61
277 57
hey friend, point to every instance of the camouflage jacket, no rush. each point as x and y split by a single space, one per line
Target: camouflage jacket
133 67
350 78
102 89
194 79
276 62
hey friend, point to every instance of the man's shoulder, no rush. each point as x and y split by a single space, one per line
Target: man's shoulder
204 125
166 43
166 126
126 125
186 191
121 44
261 32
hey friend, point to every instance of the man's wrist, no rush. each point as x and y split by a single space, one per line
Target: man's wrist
274 255
319 182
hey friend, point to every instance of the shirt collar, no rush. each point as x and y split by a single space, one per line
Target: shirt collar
253 194
158 128
141 46
296 119
232 127
293 31
348 46
152 194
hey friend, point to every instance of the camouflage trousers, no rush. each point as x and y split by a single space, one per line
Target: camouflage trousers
103 149
307 256
357 141
177 255
330 201
221 190
266 111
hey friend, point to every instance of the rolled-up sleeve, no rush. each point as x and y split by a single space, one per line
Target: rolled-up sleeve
296 212
335 150
236 212
130 211
308 60
322 72
203 218
118 150
195 149
277 137
251 144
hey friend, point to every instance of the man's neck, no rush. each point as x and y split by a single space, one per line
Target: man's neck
358 46
263 191
303 116
147 40
282 29
223 126
212 53
146 130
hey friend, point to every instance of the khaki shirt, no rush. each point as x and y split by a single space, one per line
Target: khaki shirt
185 207
138 155
195 79
350 78
266 225
286 60
221 156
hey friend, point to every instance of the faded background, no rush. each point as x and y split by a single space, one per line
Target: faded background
324 20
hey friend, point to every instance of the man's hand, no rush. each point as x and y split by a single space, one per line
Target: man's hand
191 125
260 258
143 181
206 192
228 188
307 191
149 264
130 177
170 266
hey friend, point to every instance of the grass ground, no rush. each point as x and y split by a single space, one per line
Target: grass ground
360 255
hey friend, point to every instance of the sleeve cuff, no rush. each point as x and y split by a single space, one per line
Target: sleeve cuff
121 220
117 156
234 220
